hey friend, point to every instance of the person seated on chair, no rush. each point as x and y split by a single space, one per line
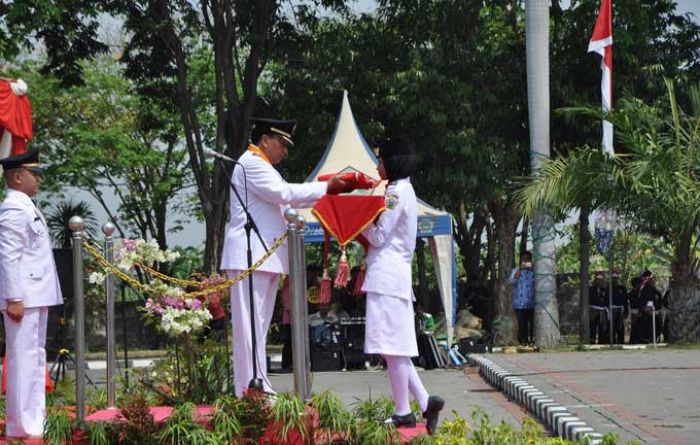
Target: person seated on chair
425 324
321 324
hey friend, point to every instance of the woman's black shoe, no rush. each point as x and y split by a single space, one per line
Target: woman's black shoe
408 421
432 413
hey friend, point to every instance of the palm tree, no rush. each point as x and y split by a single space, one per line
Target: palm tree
58 218
657 181
537 49
580 180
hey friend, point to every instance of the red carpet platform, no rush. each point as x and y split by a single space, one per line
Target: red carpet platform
201 415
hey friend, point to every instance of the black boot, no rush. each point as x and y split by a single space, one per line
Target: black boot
408 421
432 412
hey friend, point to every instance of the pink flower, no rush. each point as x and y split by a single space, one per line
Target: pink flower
129 244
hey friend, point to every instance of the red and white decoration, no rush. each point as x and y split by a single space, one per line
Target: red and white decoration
15 118
601 43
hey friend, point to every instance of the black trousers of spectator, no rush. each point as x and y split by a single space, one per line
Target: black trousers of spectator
598 324
526 326
287 346
618 326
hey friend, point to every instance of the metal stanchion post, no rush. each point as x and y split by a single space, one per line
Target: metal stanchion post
653 324
108 229
302 308
611 327
77 225
299 328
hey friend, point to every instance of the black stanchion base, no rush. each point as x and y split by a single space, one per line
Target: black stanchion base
256 384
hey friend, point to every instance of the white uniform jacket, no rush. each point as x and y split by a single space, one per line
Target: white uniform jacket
27 267
268 196
392 241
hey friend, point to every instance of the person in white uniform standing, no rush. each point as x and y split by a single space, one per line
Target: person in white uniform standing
390 329
28 286
268 196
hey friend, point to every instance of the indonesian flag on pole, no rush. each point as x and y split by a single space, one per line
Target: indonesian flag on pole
601 43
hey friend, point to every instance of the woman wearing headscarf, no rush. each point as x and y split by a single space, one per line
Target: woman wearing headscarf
390 329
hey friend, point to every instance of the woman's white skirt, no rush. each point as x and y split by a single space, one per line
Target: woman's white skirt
390 327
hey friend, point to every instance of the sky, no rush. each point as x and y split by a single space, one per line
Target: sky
193 233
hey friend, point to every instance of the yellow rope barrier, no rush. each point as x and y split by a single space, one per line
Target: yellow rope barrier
102 261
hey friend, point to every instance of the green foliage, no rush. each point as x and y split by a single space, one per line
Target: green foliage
374 409
96 399
198 371
633 251
63 395
255 411
111 138
58 218
181 429
289 413
225 419
58 427
100 433
331 411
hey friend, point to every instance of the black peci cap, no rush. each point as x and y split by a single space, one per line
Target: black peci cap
28 160
282 128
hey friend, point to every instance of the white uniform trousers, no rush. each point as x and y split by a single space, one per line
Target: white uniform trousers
26 373
264 295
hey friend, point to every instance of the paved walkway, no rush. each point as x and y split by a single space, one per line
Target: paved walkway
652 396
463 391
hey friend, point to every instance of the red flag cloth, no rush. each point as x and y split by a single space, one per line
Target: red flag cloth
358 179
601 43
346 216
15 112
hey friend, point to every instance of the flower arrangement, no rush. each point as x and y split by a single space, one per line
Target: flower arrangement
178 315
131 251
169 307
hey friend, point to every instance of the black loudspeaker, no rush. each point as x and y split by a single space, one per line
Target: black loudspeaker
470 345
58 332
64 266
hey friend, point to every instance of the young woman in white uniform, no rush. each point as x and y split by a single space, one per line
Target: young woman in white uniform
390 329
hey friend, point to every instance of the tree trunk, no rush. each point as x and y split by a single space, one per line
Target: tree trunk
537 51
422 278
684 296
683 310
468 238
505 217
584 235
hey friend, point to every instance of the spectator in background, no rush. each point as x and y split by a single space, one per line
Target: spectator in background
425 323
621 308
598 309
649 304
321 324
523 280
286 299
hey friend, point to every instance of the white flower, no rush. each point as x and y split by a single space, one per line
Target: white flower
97 278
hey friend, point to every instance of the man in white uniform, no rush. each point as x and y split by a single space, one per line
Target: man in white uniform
390 329
28 285
268 195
